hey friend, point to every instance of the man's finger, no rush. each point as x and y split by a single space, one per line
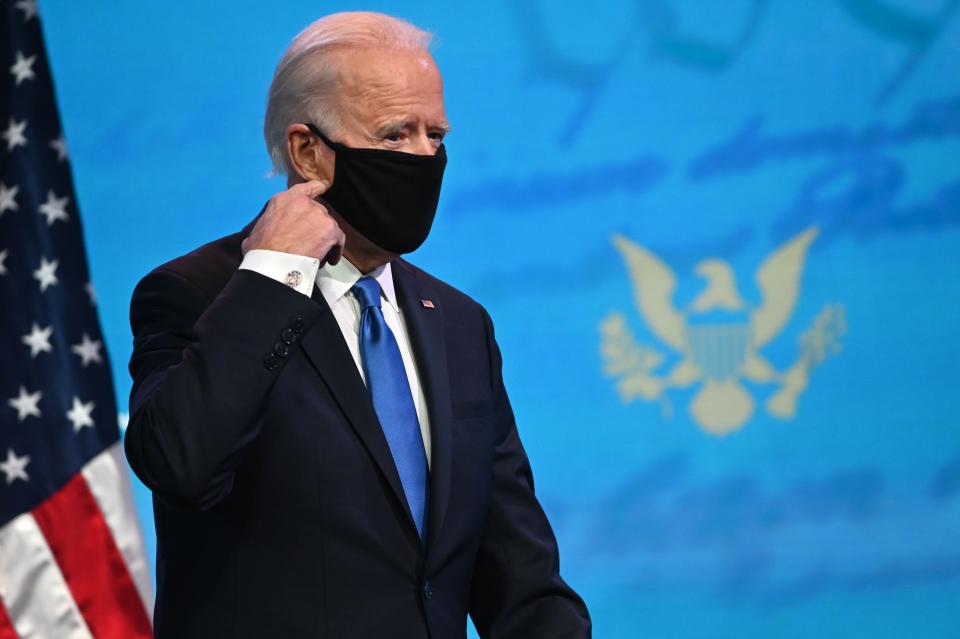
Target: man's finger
336 251
311 189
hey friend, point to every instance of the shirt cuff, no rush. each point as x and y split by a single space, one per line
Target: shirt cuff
296 271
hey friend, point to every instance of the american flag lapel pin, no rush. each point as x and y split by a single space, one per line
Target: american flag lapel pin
427 303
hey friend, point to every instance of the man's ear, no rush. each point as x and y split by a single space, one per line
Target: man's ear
310 158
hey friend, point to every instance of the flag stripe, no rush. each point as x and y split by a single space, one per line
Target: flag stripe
32 587
109 481
91 563
6 626
67 522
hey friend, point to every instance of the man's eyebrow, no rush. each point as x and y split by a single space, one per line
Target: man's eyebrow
392 127
401 125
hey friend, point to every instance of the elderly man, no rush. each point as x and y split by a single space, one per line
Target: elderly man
323 425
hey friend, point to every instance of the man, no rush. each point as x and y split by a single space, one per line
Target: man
323 425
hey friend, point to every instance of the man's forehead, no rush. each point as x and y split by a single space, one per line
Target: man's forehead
358 64
391 90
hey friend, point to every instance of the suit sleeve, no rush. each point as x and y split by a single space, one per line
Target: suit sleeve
201 371
517 591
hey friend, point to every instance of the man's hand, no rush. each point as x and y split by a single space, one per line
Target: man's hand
295 222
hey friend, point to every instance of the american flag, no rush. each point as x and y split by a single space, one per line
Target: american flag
71 556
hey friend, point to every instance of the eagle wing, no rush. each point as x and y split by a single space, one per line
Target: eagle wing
779 281
653 286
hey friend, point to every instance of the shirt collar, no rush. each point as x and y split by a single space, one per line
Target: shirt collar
336 280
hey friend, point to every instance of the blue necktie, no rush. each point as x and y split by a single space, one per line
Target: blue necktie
392 399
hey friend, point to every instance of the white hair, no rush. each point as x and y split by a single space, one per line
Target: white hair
304 84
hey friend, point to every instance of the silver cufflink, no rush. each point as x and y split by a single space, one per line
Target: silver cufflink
293 279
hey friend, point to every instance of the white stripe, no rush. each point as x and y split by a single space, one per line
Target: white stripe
33 588
107 477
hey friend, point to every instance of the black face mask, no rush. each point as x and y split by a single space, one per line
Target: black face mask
388 196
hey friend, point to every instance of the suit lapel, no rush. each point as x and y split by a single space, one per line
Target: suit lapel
328 353
425 325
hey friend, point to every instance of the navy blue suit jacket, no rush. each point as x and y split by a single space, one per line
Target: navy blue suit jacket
279 511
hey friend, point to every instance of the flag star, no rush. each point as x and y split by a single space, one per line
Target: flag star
29 8
54 208
15 467
60 146
46 274
22 69
14 134
26 404
3 258
80 414
38 340
88 350
8 197
91 293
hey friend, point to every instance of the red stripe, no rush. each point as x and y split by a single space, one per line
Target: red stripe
6 626
91 563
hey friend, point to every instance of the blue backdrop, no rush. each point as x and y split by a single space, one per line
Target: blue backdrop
743 218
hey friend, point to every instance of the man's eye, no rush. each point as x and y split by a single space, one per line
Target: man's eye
393 137
437 135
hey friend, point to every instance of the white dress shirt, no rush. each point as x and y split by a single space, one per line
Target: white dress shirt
335 283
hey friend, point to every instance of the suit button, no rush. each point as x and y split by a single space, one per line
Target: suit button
281 349
288 337
427 590
297 325
271 361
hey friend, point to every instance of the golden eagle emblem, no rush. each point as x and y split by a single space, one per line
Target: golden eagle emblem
719 337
